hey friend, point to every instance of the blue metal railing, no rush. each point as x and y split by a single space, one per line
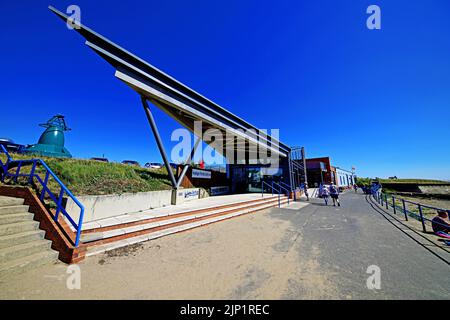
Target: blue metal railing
273 189
291 189
280 188
32 176
390 201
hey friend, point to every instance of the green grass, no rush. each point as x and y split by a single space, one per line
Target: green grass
86 177
368 181
413 181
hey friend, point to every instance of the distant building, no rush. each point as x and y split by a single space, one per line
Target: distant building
320 171
344 178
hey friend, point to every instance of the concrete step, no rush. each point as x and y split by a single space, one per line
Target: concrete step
24 249
171 230
10 201
13 209
19 238
15 217
141 217
20 265
182 217
18 227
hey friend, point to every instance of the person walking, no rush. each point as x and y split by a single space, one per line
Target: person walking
334 193
306 191
325 194
355 186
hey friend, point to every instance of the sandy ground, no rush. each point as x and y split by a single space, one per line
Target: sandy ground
250 257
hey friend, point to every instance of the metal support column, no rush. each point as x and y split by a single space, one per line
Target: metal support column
304 164
154 128
291 180
187 162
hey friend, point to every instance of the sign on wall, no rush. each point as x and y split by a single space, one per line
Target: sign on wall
215 191
201 174
191 194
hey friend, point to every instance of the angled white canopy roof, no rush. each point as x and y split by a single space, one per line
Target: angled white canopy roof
174 98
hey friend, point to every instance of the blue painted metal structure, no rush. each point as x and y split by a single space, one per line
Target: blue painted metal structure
43 182
384 200
51 141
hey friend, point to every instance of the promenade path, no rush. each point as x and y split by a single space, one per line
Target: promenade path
299 252
359 234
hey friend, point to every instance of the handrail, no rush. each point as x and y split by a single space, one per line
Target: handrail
291 189
6 152
281 187
270 186
285 184
378 195
45 189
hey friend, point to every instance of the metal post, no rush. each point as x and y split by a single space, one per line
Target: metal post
44 185
291 173
393 205
404 209
304 164
58 205
262 188
33 168
187 163
421 218
154 128
387 202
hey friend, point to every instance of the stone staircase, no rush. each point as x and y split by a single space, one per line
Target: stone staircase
22 244
102 236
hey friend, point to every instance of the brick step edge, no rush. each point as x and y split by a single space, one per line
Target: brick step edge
131 238
218 209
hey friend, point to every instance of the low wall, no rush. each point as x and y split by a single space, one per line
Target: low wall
105 206
183 195
444 190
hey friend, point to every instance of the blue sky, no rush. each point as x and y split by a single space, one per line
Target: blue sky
378 100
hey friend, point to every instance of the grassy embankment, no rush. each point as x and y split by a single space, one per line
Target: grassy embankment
413 181
87 177
439 203
367 181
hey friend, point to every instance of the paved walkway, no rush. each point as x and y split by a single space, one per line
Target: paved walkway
351 238
312 252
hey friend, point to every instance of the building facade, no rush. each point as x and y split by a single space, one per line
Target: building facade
321 171
344 178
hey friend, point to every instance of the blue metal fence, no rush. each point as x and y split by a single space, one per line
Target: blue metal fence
391 201
43 182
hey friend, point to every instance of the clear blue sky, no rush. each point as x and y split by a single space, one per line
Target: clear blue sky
378 100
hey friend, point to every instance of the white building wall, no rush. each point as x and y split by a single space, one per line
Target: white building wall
345 178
